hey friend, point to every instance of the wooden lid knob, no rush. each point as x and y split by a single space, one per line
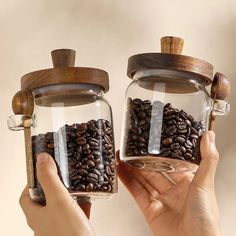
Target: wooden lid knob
63 58
172 45
220 88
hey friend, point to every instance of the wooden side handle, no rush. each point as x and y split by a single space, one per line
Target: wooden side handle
220 90
172 45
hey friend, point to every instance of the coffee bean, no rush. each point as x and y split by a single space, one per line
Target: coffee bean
171 130
178 152
167 141
180 139
96 171
187 156
90 163
141 139
89 187
83 172
81 140
182 149
188 122
141 114
174 155
174 146
182 125
188 144
85 167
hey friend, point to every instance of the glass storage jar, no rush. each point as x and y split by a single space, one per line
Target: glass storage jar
63 112
168 108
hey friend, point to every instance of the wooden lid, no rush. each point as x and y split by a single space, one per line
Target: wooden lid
170 59
64 72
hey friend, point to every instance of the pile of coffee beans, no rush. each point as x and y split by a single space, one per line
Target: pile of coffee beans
87 151
162 130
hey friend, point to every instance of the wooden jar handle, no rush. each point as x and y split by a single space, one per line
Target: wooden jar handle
172 45
220 90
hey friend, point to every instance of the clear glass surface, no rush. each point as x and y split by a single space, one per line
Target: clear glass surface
164 119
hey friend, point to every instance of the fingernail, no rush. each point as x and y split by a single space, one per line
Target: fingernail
42 157
211 136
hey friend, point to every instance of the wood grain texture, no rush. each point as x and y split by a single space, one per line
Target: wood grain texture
63 57
23 103
65 75
220 90
189 65
29 158
172 45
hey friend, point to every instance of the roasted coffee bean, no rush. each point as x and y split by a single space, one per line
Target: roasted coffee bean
83 172
188 122
168 124
50 145
141 114
85 167
174 155
72 162
89 187
91 175
178 152
187 156
141 139
95 171
171 130
141 122
100 166
74 172
188 144
108 170
182 149
189 151
182 125
171 122
180 139
81 140
194 136
90 163
100 180
80 187
96 153
174 146
167 141
169 112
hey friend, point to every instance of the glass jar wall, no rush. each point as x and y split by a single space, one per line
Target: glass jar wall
164 119
76 129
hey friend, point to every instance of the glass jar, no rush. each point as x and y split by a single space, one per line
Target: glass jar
168 108
63 112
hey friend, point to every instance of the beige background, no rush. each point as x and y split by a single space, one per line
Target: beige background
105 33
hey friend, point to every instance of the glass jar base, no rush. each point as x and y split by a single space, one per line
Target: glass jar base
160 164
79 197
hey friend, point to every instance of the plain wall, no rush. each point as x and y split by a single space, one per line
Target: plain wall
105 33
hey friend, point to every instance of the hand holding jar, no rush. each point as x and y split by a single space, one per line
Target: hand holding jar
62 215
187 208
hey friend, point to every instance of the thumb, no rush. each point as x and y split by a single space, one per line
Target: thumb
47 175
206 172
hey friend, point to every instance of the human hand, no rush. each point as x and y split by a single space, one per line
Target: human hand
61 216
187 208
